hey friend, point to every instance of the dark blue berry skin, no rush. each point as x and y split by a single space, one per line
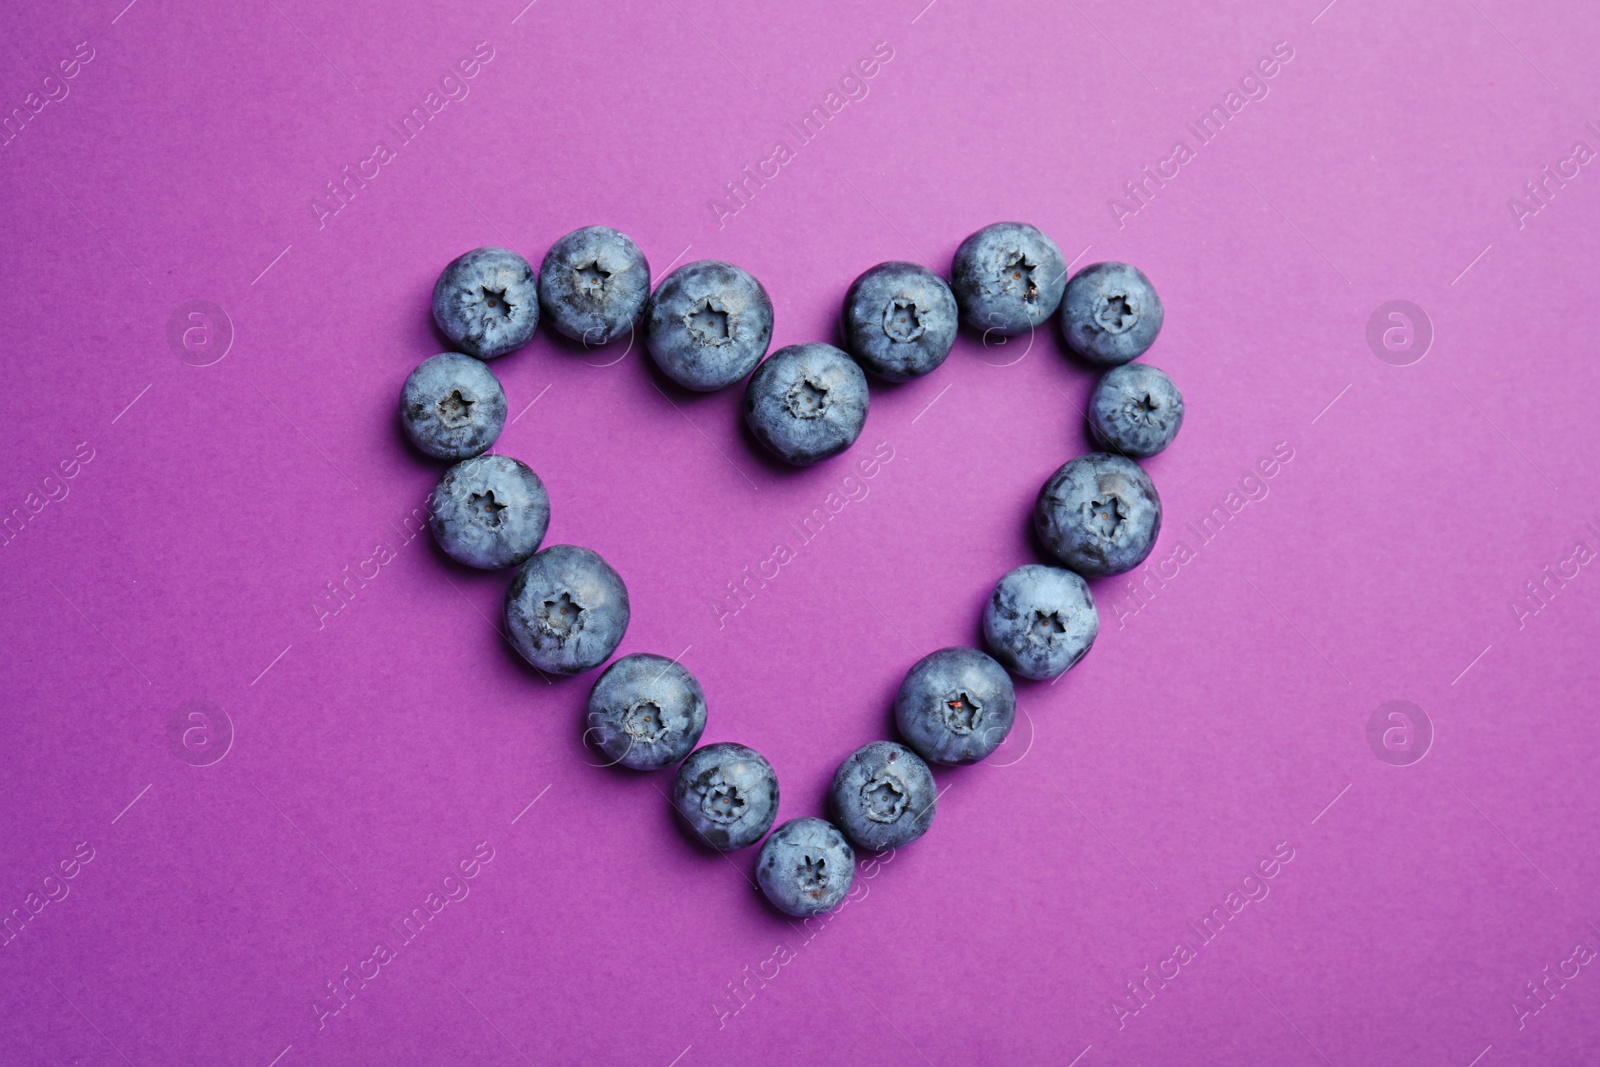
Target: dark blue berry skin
1135 409
899 320
489 512
486 302
728 794
593 284
955 706
708 324
883 796
1110 314
452 406
806 403
566 610
1040 621
1008 278
806 867
1099 515
646 712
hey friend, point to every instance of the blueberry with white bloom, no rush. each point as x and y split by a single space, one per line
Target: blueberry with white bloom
486 301
728 794
806 402
566 610
806 867
452 406
708 324
1040 621
1099 514
1135 409
1008 278
883 796
593 284
955 705
1110 313
899 320
489 512
646 711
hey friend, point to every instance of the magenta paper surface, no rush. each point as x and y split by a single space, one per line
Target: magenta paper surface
276 792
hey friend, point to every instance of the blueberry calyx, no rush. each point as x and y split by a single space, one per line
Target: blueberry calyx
708 323
812 872
486 503
1116 312
562 616
455 410
723 802
590 280
902 320
644 722
961 711
885 798
1106 517
807 399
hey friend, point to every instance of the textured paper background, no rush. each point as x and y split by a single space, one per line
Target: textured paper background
376 747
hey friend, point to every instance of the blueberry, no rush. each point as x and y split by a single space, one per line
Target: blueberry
486 302
899 320
593 283
1110 314
452 406
1099 514
806 403
1135 409
955 705
883 796
489 512
708 324
728 794
1008 278
566 610
646 712
806 867
1040 621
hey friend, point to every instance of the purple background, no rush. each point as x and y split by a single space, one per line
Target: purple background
1223 717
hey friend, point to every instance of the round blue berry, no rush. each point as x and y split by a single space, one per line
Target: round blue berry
728 794
806 867
899 320
806 403
452 406
883 796
955 705
1040 621
593 284
1099 514
486 302
1135 409
1110 313
708 324
566 610
1008 278
489 512
646 712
